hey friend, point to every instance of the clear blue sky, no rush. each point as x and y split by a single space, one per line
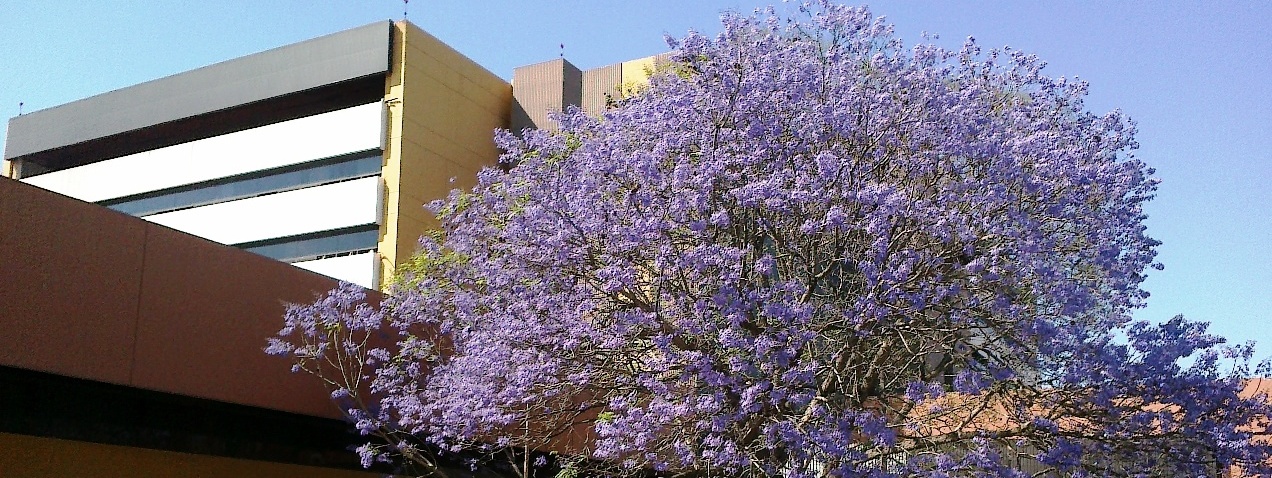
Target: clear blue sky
1197 76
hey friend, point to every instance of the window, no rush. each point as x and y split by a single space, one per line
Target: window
312 173
317 245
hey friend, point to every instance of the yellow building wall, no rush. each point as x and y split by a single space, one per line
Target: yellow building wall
24 456
618 80
637 71
442 112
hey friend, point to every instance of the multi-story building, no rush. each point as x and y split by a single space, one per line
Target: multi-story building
320 154
132 347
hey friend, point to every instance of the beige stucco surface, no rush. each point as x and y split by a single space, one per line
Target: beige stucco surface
443 109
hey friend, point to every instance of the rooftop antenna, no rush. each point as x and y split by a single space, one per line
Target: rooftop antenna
19 108
562 50
405 3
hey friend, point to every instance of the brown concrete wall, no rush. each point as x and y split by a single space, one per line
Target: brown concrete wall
618 80
599 86
542 88
26 456
96 294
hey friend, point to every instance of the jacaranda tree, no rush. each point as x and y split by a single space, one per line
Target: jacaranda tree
803 249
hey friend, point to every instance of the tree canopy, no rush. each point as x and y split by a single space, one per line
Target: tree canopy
804 249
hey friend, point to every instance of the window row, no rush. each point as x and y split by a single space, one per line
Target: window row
317 245
325 135
313 173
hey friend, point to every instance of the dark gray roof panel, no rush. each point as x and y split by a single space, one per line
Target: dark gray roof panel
342 56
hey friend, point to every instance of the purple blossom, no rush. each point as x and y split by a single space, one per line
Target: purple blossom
805 250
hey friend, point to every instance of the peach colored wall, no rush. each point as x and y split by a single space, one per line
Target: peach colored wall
96 294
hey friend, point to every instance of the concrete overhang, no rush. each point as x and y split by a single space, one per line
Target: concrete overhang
293 80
